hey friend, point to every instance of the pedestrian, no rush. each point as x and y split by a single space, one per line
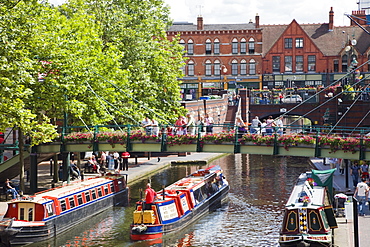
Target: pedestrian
200 125
269 126
180 125
263 127
190 124
209 123
355 173
279 125
361 193
255 125
150 195
155 128
124 160
116 162
10 189
241 126
364 170
147 125
341 166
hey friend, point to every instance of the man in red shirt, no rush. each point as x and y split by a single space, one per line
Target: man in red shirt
150 194
124 160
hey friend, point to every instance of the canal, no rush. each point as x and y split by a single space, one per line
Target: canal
259 188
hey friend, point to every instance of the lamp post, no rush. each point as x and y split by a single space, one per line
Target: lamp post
223 71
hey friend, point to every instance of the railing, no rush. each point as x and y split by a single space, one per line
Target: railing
342 142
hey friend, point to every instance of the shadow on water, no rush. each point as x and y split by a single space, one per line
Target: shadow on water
259 188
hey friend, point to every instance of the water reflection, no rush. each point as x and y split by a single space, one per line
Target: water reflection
259 188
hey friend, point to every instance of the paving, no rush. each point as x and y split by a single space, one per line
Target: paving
140 168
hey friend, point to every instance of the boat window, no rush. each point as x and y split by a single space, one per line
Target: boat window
63 205
79 199
100 194
30 214
21 213
199 195
71 202
93 193
106 191
112 187
87 196
49 209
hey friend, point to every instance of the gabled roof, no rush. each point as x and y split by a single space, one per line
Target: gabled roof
188 27
330 43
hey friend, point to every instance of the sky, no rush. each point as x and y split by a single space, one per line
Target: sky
270 11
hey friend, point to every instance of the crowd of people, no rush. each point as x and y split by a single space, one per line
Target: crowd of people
108 161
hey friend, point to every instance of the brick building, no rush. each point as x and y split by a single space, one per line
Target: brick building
250 55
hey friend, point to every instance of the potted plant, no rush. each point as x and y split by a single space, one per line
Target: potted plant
182 143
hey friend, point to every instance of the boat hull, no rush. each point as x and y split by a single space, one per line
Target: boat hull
21 232
157 231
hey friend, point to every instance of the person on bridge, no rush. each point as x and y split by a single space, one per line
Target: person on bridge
150 194
269 126
255 125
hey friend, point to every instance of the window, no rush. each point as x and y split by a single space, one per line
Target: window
182 42
30 214
93 194
288 64
275 64
49 209
217 68
21 213
208 46
299 63
243 67
299 42
216 47
336 65
312 63
344 63
112 187
234 67
87 196
100 194
288 43
208 68
106 191
243 46
63 205
190 68
79 199
190 47
234 46
71 202
252 67
251 46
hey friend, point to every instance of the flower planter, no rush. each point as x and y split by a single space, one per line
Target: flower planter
79 147
252 148
108 147
326 152
182 148
218 148
49 148
305 151
146 147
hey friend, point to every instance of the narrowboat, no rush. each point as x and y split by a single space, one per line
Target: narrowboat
42 216
309 216
180 204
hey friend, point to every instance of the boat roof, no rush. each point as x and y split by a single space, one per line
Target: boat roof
316 194
68 189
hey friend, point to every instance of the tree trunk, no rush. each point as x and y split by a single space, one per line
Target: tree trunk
21 160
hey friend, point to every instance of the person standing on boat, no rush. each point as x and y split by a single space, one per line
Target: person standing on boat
361 193
150 194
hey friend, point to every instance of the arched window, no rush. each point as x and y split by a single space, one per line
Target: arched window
252 67
243 67
234 67
190 47
208 46
190 68
344 63
216 46
208 68
243 46
251 46
182 42
234 45
217 68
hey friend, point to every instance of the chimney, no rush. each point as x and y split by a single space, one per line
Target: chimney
331 19
200 23
257 21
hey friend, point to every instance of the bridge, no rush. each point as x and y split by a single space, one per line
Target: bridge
303 141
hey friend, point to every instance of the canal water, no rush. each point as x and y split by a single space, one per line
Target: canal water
259 188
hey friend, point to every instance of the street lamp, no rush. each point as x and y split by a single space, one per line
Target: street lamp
223 70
